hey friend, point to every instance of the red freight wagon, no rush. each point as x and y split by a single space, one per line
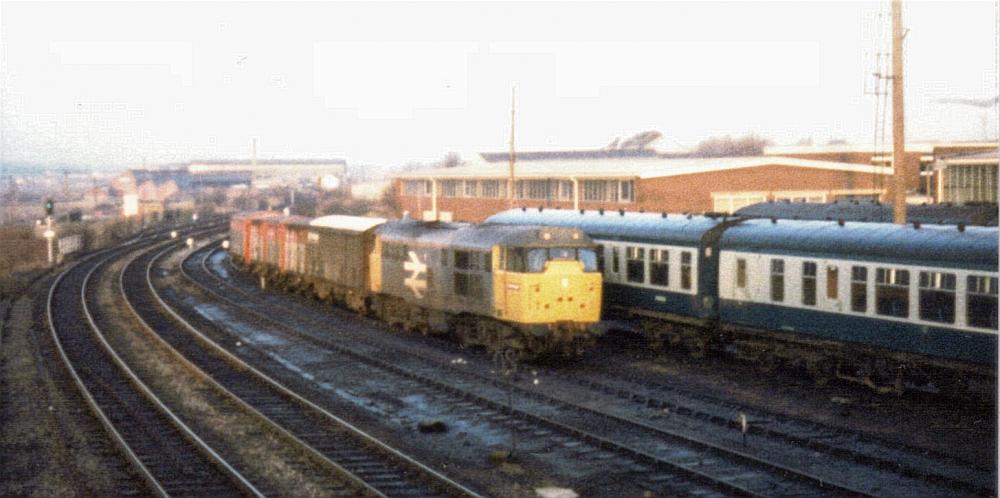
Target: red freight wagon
293 248
256 249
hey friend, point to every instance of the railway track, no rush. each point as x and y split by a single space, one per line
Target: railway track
369 463
169 457
939 473
764 477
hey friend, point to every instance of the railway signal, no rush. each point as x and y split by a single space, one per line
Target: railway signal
50 207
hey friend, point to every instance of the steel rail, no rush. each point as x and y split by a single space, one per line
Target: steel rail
120 440
435 478
595 439
303 446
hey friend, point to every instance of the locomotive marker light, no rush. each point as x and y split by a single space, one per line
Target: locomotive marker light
415 282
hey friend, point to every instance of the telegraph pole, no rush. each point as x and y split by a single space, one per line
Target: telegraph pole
510 180
898 141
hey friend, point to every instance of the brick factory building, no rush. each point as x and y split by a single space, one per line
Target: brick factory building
648 182
973 167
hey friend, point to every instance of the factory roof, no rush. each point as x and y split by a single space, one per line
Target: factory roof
638 167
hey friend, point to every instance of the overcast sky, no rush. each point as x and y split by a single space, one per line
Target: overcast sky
117 84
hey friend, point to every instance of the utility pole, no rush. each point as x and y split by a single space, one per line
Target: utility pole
510 181
898 141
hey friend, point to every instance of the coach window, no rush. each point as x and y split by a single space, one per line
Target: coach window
832 280
614 260
659 267
937 297
809 283
600 258
777 280
981 302
686 270
635 264
741 273
892 292
859 289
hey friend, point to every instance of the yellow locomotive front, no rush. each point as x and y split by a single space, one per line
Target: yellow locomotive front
550 287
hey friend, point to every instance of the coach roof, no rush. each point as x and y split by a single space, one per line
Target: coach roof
677 229
930 245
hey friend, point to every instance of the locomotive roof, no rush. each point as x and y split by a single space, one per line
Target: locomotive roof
678 229
482 236
349 223
932 245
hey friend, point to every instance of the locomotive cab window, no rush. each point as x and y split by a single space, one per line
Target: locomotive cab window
659 267
809 283
892 292
635 264
777 280
937 297
981 301
533 260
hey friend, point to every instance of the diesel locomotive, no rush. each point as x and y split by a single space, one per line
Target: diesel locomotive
885 305
532 290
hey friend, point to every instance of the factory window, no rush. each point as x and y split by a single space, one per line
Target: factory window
565 190
859 289
981 302
533 189
729 202
470 188
970 183
493 189
417 187
777 280
937 297
809 283
892 292
595 190
741 273
615 267
451 188
626 191
686 270
659 267
635 264
832 277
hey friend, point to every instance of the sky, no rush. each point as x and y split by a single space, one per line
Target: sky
132 84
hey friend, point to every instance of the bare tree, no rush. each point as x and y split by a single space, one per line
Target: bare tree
727 146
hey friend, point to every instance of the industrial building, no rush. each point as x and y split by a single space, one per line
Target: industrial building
925 167
644 183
